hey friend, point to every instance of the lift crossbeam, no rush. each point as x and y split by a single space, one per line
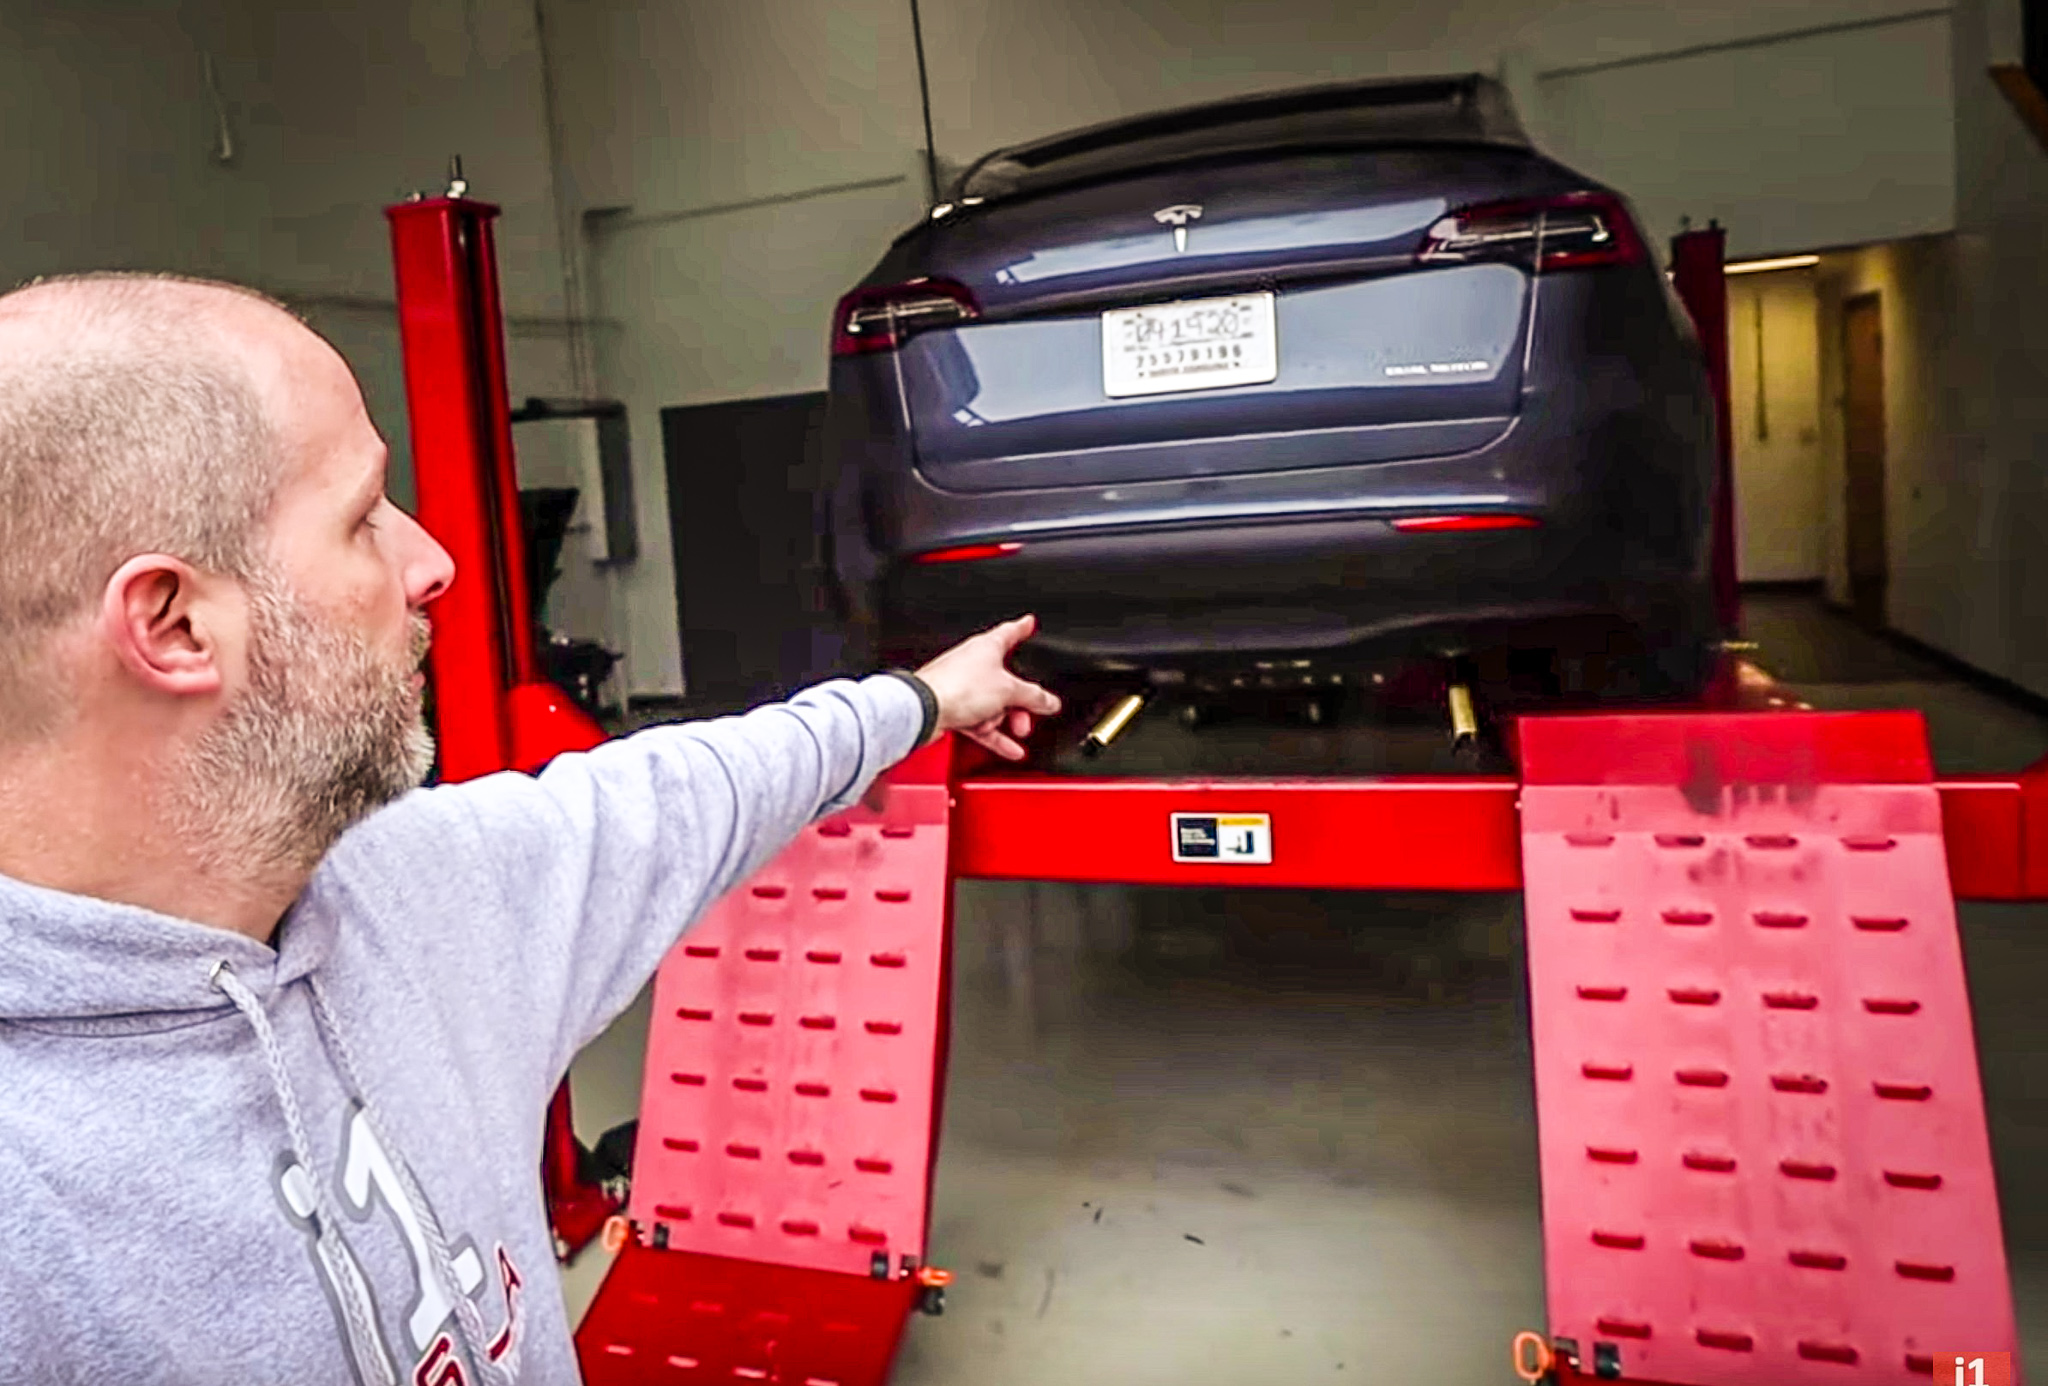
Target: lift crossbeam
1393 833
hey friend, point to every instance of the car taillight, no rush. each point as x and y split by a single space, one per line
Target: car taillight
1575 231
1463 524
882 319
969 553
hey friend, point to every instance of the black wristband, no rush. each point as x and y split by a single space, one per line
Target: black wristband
925 696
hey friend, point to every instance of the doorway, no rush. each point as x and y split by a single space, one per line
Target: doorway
1863 433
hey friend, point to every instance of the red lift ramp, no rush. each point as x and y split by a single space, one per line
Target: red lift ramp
789 1113
1762 1135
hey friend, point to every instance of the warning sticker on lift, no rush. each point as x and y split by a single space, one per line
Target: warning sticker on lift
1244 839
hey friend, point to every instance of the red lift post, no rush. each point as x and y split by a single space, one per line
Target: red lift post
1763 1145
492 712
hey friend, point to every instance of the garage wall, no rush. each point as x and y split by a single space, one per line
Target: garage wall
112 157
1775 396
1834 136
1982 589
1837 134
1004 70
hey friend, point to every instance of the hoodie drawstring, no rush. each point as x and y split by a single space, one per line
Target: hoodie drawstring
466 1315
363 1344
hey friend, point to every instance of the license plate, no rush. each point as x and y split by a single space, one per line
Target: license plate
1207 344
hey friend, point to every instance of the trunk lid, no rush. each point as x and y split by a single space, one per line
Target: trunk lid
1374 357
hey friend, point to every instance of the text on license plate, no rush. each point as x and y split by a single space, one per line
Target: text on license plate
1206 344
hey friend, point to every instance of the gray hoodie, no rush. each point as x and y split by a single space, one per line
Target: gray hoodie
221 1162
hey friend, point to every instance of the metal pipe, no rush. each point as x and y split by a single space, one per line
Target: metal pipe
1464 720
1113 724
1459 676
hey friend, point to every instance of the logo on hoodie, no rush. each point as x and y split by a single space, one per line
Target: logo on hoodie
370 1177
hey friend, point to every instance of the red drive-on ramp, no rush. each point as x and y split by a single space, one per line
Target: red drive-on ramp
782 1175
1763 1145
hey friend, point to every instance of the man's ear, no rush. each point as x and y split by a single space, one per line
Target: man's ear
164 621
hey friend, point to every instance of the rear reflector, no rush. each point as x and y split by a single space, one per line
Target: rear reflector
967 553
1463 524
882 319
1575 231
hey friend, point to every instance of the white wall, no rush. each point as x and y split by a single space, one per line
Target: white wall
1840 137
1985 596
113 158
1775 398
1005 70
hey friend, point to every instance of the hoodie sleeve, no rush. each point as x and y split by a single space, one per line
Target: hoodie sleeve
590 871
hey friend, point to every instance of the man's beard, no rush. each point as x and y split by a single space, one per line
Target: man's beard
328 730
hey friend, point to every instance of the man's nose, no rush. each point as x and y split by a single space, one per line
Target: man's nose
428 568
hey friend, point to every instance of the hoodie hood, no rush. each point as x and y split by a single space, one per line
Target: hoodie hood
73 959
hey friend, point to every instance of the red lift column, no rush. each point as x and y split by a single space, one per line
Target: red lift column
492 713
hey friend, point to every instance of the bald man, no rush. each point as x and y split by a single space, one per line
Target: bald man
277 1025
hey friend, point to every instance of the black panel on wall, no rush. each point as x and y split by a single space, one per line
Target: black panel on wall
746 517
2034 40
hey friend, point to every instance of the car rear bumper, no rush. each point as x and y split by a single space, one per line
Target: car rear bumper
1340 592
1293 548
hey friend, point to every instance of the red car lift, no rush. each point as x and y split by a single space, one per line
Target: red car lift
1762 1136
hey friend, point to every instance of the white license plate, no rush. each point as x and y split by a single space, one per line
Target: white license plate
1207 344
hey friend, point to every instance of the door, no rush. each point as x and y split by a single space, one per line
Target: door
1863 430
744 488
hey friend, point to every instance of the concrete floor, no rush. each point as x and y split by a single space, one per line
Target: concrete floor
1247 1137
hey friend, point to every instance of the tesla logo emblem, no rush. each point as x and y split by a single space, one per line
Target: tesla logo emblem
1178 217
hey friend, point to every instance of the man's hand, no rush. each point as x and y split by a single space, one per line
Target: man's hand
978 695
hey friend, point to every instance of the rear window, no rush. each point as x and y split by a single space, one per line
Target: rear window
1431 110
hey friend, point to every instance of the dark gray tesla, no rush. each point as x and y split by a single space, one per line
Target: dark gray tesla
1297 382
